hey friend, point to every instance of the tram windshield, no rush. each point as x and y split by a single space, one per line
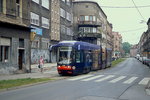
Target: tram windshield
65 55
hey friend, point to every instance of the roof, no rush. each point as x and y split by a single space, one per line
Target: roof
93 3
79 45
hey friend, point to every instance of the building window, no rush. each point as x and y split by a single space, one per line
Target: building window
35 44
63 0
62 13
63 29
86 18
68 2
81 18
94 18
91 18
1 5
94 30
18 8
21 43
45 23
69 31
34 19
69 16
87 30
4 52
45 3
36 1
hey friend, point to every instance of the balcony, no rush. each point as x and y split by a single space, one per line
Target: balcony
89 35
89 23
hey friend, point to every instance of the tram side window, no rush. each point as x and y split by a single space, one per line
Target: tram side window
78 57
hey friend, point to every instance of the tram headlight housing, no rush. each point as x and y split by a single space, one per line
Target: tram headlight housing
73 67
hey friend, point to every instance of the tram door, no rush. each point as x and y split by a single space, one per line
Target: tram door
20 59
88 59
95 58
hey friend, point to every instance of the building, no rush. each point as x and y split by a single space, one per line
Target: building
117 45
61 23
40 24
66 20
145 42
109 36
14 36
89 22
133 50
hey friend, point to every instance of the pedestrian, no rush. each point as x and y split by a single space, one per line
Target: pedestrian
41 63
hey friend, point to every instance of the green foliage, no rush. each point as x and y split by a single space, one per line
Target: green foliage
115 62
126 47
4 84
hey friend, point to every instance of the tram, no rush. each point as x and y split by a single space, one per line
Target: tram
76 57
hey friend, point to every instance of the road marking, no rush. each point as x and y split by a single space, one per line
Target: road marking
92 78
80 77
130 80
117 79
105 78
144 81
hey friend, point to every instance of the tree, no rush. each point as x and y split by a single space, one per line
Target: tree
126 47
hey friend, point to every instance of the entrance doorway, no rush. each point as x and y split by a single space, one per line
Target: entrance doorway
20 59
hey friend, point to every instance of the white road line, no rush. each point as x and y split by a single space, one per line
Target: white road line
92 78
105 78
117 79
144 81
130 80
80 77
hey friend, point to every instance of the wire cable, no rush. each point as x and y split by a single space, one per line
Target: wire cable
126 6
138 10
133 30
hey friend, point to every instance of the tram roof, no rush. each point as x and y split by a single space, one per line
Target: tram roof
78 45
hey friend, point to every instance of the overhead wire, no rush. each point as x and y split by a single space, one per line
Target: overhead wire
138 10
126 6
133 30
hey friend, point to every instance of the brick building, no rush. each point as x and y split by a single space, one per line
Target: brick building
117 45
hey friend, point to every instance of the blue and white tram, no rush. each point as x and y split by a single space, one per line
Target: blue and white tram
76 57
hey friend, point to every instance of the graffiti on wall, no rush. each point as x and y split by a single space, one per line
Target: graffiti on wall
36 54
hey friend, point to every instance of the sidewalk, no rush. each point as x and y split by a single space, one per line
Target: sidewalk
47 66
49 71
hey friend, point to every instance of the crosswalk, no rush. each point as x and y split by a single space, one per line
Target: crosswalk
111 79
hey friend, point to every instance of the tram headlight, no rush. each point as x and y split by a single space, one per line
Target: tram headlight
69 66
73 67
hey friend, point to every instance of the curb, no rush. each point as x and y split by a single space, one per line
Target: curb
54 79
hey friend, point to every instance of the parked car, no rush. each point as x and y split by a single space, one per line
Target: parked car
147 62
140 59
144 59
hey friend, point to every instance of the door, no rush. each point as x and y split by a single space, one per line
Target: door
20 59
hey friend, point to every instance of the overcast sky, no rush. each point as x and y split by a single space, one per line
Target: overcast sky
126 21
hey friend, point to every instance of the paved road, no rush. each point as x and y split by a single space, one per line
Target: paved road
123 82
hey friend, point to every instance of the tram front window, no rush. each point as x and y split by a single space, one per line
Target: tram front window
65 55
